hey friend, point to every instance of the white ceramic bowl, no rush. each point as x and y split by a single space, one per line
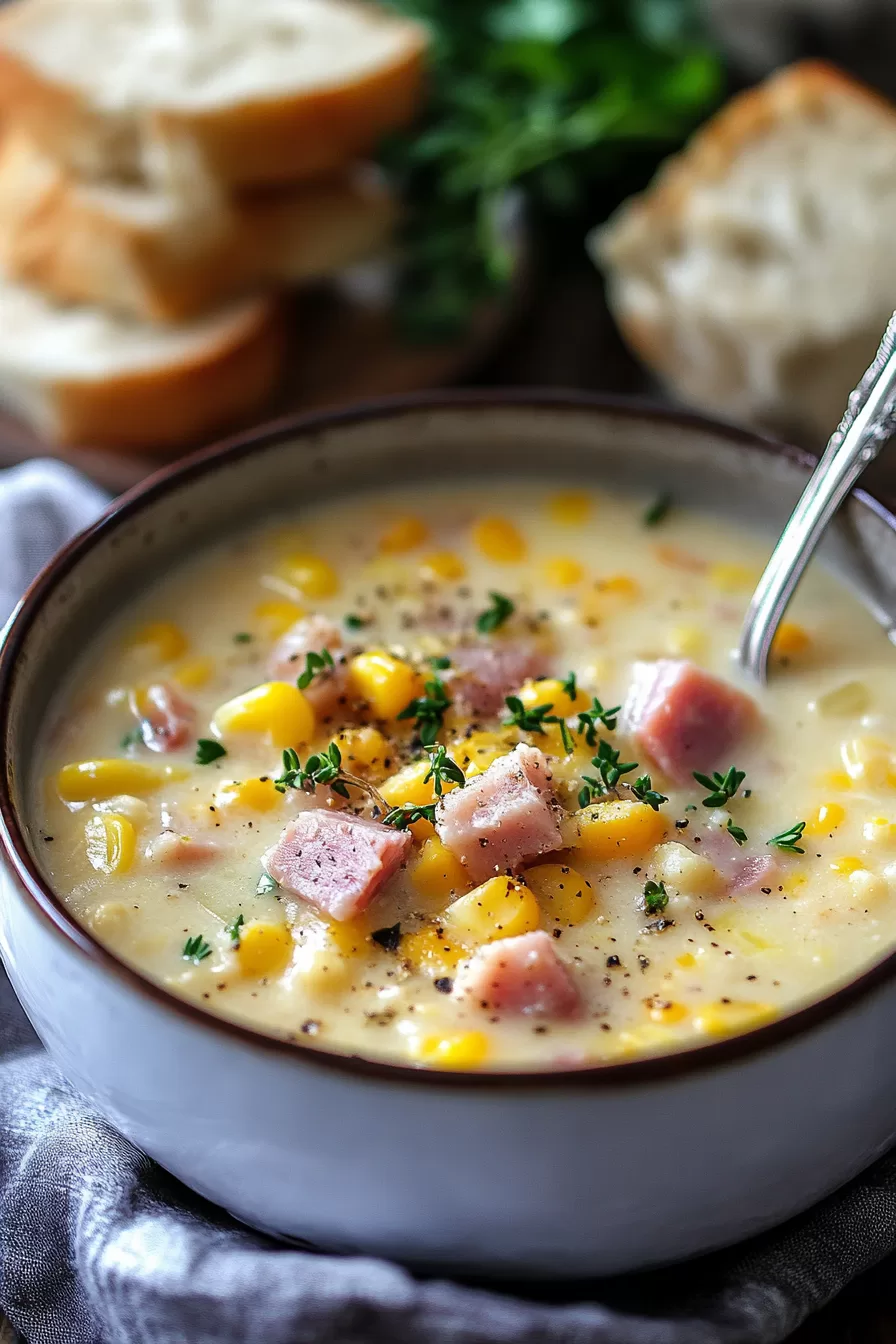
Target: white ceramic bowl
592 1171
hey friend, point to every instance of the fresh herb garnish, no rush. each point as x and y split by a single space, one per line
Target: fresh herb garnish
494 616
442 768
428 711
440 663
655 898
316 665
353 621
265 885
233 928
721 787
608 764
737 833
196 949
590 718
208 750
787 840
570 690
534 718
406 814
323 767
388 939
656 512
645 793
242 637
131 739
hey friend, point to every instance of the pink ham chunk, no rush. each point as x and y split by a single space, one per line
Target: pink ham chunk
180 851
166 717
523 976
335 862
683 718
288 657
503 818
487 672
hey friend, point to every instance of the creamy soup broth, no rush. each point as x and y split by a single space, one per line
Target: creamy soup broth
668 930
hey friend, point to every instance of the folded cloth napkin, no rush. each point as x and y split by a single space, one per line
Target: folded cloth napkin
99 1246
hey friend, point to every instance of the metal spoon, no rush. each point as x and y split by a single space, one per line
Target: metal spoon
867 425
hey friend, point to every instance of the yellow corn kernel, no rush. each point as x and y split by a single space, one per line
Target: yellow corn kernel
276 614
620 585
792 881
350 937
164 639
561 571
499 539
323 970
825 819
846 864
690 873
111 841
437 874
265 948
880 831
550 691
92 781
465 1050
614 830
474 754
852 698
276 709
500 908
790 641
563 893
364 751
686 641
310 574
195 672
403 535
867 759
259 794
733 578
443 567
835 779
686 961
664 1010
387 684
724 1019
868 888
570 508
431 951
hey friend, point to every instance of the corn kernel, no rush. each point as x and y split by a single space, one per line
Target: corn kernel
276 615
276 709
879 831
407 786
686 961
499 539
867 759
852 698
349 937
846 864
465 1050
325 971
195 672
437 874
723 1019
792 881
387 684
563 893
561 571
364 751
310 575
443 567
92 781
403 535
835 779
111 842
614 830
690 873
165 640
502 907
430 950
733 578
259 794
265 948
790 641
667 1011
868 888
474 754
550 691
825 819
686 641
135 809
571 508
621 585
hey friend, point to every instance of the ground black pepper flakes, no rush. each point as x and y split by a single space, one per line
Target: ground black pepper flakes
444 984
613 960
310 1027
389 938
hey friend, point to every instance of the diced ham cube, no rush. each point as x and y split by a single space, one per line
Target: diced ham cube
336 862
166 717
754 872
180 851
685 719
287 662
503 818
489 671
742 871
521 976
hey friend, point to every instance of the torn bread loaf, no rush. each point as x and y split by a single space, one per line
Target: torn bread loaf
757 274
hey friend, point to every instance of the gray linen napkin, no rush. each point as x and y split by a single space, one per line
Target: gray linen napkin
99 1246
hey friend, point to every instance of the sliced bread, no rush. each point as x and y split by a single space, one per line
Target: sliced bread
270 91
147 253
756 275
81 377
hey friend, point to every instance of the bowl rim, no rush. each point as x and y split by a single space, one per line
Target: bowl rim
44 901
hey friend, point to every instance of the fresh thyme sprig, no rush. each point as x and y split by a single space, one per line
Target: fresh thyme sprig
737 833
442 768
569 686
590 718
316 664
532 719
494 616
656 898
787 840
208 750
428 711
656 512
406 814
645 793
611 770
196 949
233 929
322 767
721 787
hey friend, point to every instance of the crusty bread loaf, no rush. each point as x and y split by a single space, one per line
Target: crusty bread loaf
269 91
161 255
79 376
758 272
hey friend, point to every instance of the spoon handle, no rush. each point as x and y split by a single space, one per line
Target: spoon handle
867 425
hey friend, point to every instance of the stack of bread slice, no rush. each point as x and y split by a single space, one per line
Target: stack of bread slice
167 169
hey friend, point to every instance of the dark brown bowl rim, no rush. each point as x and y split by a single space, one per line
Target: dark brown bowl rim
42 898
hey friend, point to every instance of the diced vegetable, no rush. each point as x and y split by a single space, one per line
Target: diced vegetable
618 829
92 781
499 540
111 841
502 907
437 874
276 710
565 896
403 535
264 949
385 683
310 575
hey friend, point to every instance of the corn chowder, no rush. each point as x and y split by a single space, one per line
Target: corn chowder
476 787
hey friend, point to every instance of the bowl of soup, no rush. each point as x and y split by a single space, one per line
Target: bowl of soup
394 851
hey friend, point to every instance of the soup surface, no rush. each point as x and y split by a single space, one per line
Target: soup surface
507 861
